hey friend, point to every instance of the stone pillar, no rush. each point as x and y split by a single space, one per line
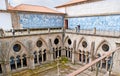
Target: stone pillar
57 52
15 63
86 57
101 64
107 63
51 55
73 56
6 69
31 62
21 58
38 58
94 30
42 56
81 56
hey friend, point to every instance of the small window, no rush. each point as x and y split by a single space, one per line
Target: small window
69 41
105 47
56 41
39 43
84 44
17 47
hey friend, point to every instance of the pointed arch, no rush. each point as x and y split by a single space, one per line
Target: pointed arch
59 40
66 39
18 42
59 37
103 41
44 42
80 41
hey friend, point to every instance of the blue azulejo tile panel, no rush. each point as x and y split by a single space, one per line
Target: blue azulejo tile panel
41 20
110 23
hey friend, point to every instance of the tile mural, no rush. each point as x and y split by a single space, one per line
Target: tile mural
111 23
41 20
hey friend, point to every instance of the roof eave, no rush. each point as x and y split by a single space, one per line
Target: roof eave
35 12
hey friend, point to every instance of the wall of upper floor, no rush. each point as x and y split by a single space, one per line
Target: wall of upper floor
32 20
109 23
5 21
100 7
2 5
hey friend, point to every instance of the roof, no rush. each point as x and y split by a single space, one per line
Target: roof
72 2
33 8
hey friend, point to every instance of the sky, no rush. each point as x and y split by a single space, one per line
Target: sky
48 3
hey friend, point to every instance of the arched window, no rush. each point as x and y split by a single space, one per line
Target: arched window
24 60
69 41
12 63
39 43
84 44
54 56
56 52
35 57
56 41
59 51
17 47
105 47
40 56
44 55
0 69
80 56
18 61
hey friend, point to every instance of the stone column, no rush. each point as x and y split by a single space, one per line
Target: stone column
31 62
101 64
107 63
21 58
57 52
42 56
15 63
51 55
73 56
38 58
6 69
81 56
86 57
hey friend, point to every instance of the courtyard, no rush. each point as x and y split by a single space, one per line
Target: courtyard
56 68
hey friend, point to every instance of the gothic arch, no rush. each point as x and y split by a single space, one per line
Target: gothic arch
81 41
44 42
60 40
103 41
66 39
19 42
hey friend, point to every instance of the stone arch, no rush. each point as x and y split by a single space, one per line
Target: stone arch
103 41
19 42
65 40
44 42
80 41
60 40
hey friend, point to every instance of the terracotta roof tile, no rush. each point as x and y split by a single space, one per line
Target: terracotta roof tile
72 2
33 8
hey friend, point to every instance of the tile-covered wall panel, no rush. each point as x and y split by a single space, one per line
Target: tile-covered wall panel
41 20
111 23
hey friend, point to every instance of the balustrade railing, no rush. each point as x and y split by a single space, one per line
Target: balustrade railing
98 64
95 32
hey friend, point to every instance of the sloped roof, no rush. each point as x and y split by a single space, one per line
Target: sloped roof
72 2
33 8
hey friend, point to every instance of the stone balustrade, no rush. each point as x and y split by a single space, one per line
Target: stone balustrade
21 32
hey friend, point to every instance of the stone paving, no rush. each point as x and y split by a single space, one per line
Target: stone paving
51 70
68 68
